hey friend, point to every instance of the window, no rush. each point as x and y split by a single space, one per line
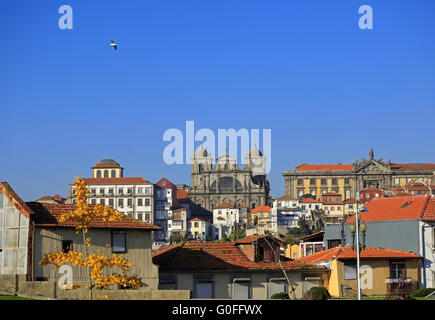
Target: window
349 271
106 173
94 201
102 201
139 202
277 285
130 203
121 191
147 202
397 270
167 282
140 190
300 182
111 203
140 216
121 202
102 191
196 224
333 243
334 181
113 174
94 192
98 173
323 182
204 287
66 246
312 182
346 181
118 242
111 192
241 288
396 180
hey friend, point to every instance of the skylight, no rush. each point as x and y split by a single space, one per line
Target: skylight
406 204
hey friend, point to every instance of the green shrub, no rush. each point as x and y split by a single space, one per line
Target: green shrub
422 292
317 293
280 295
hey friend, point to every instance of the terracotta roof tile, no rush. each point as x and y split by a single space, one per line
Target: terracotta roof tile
216 256
48 214
324 167
429 212
286 197
309 200
225 206
182 194
394 208
348 253
126 180
261 208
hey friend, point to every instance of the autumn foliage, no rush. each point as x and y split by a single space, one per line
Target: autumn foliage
95 262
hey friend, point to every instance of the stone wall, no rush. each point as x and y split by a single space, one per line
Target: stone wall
17 284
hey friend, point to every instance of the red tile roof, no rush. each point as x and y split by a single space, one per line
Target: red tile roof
182 194
429 212
324 167
412 166
286 197
112 164
15 199
48 214
394 208
394 166
261 208
348 253
309 200
126 180
199 219
217 256
225 206
165 183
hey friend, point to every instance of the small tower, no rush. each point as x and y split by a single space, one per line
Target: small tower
201 160
255 162
107 168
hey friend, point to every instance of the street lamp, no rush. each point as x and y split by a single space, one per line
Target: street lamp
355 229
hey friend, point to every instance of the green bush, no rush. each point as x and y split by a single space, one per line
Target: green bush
422 292
280 295
398 296
317 293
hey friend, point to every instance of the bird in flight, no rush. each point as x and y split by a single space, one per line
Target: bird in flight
113 44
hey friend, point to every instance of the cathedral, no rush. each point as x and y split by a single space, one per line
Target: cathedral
226 182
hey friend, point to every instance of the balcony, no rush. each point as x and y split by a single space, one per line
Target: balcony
404 285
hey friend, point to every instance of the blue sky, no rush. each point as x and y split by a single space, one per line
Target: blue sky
328 90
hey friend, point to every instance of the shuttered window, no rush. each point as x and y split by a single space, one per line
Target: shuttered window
277 285
241 288
349 271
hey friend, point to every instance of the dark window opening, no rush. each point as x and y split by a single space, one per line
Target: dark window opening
66 246
118 242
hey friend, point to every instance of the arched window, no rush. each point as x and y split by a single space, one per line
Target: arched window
98 173
106 173
113 173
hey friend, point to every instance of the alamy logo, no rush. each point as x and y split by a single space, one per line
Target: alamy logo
366 273
66 20
366 20
66 279
181 151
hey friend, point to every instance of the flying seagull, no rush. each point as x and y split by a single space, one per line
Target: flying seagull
112 43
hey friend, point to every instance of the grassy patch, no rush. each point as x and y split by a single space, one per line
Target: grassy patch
7 297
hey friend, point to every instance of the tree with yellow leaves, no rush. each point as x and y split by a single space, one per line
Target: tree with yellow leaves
83 214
